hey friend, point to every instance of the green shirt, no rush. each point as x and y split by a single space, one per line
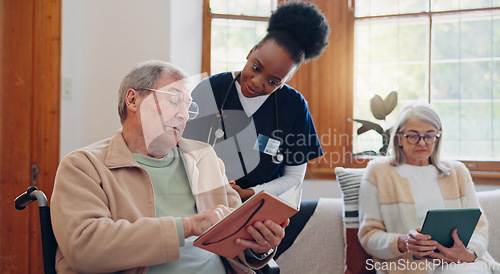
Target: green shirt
173 197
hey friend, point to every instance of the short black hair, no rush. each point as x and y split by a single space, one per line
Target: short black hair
300 28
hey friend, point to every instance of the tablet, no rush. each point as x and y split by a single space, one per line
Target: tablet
439 223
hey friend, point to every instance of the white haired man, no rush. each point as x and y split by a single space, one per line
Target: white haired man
136 201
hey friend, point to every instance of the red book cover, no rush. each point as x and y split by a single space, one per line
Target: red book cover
220 238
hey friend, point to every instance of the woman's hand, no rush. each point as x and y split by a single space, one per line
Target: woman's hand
196 224
417 244
244 193
458 253
266 235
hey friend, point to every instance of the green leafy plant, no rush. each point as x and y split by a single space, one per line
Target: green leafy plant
380 109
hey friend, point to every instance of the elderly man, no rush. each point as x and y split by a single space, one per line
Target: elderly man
136 201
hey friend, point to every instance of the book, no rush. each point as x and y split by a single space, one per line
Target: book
439 223
220 238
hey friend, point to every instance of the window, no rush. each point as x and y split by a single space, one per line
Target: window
235 26
443 52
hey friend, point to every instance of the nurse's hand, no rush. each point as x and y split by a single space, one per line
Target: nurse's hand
244 193
266 235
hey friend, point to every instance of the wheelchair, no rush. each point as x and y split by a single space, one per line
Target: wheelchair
49 244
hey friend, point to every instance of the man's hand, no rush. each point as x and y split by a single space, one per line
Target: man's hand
266 235
197 224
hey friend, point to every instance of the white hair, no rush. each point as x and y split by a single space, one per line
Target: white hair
423 112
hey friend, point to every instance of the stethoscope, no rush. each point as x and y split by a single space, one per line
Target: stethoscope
221 132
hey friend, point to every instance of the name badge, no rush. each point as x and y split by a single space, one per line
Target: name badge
266 145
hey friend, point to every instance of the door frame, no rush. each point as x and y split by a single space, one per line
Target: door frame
30 54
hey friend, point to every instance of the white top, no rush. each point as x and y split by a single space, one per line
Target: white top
424 187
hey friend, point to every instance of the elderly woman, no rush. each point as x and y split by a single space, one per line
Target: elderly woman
398 190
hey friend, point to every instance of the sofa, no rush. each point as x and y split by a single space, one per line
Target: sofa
329 235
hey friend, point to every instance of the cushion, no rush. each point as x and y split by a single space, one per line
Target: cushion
349 180
318 248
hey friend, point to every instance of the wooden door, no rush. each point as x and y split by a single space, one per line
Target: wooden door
30 54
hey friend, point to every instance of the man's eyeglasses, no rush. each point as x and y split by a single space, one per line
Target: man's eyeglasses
176 99
415 138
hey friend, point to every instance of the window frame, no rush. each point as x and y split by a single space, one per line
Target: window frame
207 31
341 102
483 172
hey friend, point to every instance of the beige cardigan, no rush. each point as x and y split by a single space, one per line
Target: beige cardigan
103 212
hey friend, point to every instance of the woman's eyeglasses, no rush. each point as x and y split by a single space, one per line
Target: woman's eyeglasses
415 138
176 99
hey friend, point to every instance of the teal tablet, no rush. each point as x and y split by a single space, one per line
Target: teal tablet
439 223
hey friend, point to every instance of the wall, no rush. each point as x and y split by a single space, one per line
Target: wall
102 41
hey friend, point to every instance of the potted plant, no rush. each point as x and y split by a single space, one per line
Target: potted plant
380 108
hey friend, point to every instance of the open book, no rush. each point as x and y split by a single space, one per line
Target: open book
220 238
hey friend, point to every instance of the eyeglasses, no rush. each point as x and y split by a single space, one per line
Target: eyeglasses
415 138
176 99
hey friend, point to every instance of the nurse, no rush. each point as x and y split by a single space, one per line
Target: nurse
260 127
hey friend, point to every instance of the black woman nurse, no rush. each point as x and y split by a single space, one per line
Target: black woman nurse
260 127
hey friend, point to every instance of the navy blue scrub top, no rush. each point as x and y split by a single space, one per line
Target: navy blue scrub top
296 132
